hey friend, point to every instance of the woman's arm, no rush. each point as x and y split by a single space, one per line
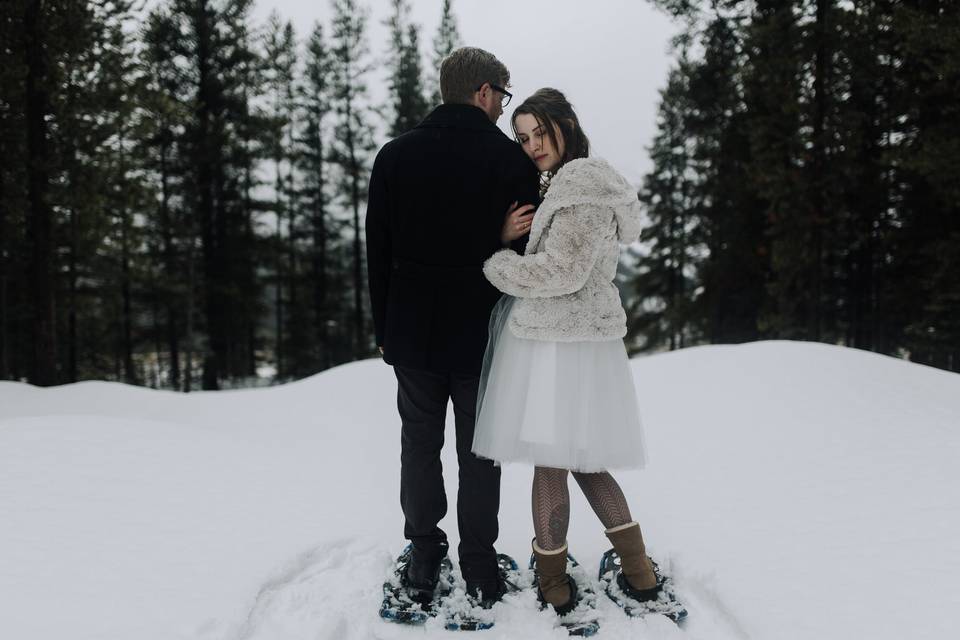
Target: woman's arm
562 264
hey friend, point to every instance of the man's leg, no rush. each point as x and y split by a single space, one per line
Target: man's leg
422 402
478 500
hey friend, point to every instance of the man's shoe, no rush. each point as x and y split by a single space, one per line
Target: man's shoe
423 571
487 593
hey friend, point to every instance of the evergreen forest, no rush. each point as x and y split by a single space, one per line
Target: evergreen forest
182 189
805 182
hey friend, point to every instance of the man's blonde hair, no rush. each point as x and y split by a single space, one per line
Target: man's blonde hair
466 69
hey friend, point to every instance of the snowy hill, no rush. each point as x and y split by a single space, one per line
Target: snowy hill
796 491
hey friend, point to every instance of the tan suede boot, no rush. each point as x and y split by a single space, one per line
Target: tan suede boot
636 567
556 587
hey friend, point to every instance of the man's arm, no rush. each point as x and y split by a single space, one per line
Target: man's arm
379 251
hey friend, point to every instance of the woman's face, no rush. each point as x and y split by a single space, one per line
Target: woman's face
536 142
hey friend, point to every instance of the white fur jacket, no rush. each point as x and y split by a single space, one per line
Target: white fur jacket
564 282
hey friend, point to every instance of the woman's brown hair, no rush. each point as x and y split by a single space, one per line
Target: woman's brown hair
553 111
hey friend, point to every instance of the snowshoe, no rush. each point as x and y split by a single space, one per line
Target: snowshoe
467 614
408 606
583 620
661 599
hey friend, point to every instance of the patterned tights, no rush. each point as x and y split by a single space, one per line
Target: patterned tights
551 503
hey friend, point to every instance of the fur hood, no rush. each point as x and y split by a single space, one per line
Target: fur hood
592 182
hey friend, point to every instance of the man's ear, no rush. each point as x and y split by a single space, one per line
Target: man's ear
487 90
478 95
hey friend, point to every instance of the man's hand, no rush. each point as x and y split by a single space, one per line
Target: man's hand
517 223
381 350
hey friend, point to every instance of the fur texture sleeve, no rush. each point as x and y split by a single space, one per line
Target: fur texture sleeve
561 265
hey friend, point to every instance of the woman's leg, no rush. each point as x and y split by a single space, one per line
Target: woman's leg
551 507
608 502
551 518
605 497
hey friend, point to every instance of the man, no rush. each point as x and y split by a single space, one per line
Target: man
437 204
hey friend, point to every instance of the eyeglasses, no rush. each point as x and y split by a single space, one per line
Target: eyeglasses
505 100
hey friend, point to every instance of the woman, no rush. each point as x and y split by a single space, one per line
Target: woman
556 388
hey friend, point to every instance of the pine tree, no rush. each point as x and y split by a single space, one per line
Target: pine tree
772 93
863 225
664 280
214 51
409 105
732 222
930 154
43 37
314 201
353 143
176 226
446 40
172 230
13 311
118 88
280 56
251 127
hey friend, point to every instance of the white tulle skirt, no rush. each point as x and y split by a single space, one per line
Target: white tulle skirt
567 405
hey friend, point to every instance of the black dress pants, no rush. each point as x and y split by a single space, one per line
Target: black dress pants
422 400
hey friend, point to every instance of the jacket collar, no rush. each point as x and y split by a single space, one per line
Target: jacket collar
459 116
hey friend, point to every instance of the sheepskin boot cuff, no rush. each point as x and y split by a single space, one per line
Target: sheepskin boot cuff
628 542
554 584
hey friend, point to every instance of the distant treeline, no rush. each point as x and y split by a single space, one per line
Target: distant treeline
807 179
181 191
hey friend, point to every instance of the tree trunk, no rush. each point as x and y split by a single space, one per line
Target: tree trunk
320 262
191 304
208 160
250 310
281 361
43 366
72 301
170 269
359 347
818 183
6 251
129 370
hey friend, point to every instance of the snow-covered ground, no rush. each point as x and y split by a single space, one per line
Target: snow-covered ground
794 490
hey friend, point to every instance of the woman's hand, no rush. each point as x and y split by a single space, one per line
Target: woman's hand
517 223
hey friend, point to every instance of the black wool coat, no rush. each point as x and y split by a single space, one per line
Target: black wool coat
438 198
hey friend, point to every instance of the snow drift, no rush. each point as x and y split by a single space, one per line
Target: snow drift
794 490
